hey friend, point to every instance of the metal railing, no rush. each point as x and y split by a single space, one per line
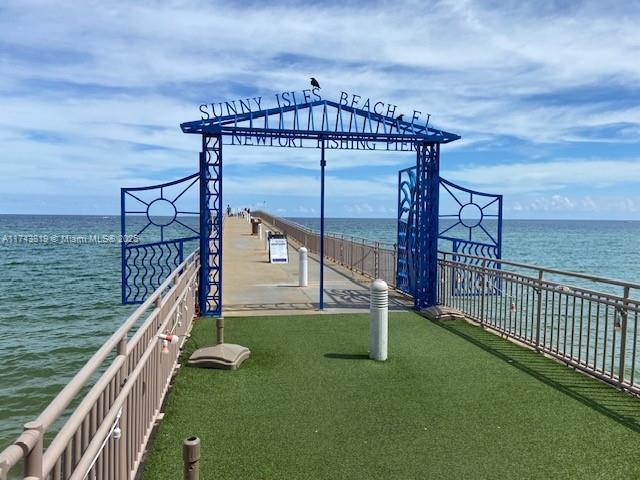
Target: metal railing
588 322
372 259
106 435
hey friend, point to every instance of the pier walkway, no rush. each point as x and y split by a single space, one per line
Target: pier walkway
253 286
452 401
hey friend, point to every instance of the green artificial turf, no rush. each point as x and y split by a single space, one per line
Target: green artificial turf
452 401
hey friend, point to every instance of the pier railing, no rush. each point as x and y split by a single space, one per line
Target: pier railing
372 259
585 321
106 435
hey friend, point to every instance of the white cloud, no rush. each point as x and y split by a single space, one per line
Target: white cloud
545 176
100 74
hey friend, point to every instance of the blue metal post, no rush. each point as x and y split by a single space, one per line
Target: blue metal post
427 196
323 164
204 232
210 293
123 247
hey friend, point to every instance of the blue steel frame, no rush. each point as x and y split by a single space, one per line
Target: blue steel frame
331 125
144 266
323 164
427 195
336 122
210 293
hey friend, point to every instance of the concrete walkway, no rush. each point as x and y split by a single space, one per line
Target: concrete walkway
253 286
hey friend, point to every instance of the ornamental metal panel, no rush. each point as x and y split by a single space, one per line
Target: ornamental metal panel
405 280
471 221
471 224
159 227
468 221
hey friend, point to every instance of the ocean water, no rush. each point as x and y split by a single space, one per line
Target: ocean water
598 247
60 300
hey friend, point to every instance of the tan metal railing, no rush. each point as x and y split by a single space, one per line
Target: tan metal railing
372 259
588 322
105 436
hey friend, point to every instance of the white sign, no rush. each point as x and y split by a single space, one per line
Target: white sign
278 250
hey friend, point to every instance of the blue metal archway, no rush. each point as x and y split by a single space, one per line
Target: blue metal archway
325 125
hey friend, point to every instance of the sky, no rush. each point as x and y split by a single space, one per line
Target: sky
545 95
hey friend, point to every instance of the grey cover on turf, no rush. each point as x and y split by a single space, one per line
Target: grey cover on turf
440 312
226 356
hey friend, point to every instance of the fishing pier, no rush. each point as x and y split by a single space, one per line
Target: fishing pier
495 369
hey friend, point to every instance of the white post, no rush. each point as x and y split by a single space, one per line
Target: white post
266 240
379 326
260 231
303 268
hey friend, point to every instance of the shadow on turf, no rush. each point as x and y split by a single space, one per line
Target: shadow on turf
621 407
347 356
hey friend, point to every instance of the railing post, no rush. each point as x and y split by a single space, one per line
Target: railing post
158 360
122 467
539 309
33 459
623 336
395 264
352 243
483 294
376 260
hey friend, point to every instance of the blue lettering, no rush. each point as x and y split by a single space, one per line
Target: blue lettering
205 111
245 107
230 108
213 109
391 111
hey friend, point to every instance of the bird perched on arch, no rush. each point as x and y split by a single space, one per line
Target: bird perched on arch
314 83
400 117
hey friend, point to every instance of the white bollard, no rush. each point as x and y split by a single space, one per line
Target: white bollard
303 268
379 326
260 231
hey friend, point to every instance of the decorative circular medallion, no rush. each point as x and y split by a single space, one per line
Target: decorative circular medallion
161 212
470 215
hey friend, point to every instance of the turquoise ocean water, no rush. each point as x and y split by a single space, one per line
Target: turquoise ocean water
60 300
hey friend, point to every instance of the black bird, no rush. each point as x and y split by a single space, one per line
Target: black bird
314 83
400 117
